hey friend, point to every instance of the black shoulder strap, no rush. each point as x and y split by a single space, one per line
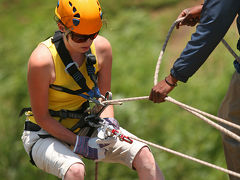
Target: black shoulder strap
71 67
91 60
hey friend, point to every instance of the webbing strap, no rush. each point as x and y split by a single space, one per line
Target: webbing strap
71 67
66 90
91 60
63 113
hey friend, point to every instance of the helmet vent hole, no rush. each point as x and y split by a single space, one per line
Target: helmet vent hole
77 15
70 4
74 9
76 22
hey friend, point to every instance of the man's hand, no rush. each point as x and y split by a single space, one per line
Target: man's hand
191 16
161 90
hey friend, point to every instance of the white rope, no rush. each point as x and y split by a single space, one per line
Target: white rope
114 101
202 112
163 49
96 170
120 101
188 157
217 126
190 109
165 45
197 113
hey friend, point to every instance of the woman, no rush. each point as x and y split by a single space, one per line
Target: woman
52 136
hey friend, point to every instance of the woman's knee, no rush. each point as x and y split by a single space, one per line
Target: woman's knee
146 166
76 171
144 158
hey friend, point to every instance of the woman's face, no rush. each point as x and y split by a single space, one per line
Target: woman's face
77 42
81 47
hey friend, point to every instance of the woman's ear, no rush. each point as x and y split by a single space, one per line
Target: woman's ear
61 27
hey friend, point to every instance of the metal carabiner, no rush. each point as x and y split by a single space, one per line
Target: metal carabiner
108 96
121 136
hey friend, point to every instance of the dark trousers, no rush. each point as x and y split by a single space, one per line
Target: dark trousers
230 111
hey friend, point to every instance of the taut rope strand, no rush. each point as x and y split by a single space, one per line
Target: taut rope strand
114 101
230 50
215 125
202 112
188 157
96 170
192 110
119 101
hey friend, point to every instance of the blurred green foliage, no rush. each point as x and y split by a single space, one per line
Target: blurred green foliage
137 30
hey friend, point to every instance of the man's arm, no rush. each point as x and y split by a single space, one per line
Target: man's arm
216 18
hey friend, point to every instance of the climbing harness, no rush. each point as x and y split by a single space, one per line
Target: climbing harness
96 121
73 71
62 114
86 119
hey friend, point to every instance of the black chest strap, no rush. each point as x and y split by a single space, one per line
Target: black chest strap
72 67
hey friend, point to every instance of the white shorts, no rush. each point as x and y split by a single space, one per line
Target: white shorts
56 157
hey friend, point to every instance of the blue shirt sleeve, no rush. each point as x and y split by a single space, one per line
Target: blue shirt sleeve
216 18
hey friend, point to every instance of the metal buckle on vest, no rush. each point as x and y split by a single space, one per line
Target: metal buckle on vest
70 65
28 113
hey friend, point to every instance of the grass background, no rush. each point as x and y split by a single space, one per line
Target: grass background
137 30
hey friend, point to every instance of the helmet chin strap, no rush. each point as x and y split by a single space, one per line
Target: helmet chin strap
66 33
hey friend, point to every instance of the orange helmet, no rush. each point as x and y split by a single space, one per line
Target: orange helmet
80 16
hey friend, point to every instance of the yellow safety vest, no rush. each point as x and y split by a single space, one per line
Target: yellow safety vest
58 100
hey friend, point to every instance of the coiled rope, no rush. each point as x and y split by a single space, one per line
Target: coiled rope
190 109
